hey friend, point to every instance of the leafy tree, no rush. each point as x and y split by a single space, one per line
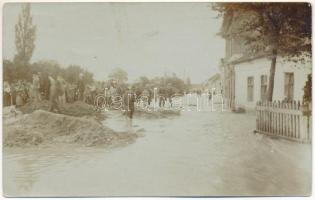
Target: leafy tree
177 83
50 67
119 74
277 28
72 74
8 73
144 80
13 72
140 84
25 33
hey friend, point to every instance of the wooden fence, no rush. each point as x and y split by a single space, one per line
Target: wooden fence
286 120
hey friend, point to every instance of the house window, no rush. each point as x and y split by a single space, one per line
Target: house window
250 88
288 86
263 87
229 43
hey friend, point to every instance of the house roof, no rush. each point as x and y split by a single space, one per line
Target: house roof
230 27
226 24
247 58
213 78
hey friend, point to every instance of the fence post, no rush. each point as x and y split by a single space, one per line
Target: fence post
305 123
303 128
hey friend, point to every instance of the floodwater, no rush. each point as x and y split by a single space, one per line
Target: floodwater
194 154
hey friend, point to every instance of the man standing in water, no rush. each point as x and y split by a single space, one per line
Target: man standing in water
36 87
55 90
129 107
80 87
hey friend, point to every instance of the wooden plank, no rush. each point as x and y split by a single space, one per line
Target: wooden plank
285 123
268 121
291 126
279 123
295 127
299 126
264 118
272 122
258 119
289 122
261 120
294 120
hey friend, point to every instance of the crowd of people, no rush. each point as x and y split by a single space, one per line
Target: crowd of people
57 91
50 88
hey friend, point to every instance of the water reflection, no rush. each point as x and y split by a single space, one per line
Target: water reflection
23 168
26 174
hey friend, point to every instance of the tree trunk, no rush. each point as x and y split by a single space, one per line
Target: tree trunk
272 75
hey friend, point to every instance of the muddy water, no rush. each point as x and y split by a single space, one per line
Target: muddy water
197 153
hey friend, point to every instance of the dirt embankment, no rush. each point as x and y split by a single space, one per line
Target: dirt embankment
42 127
77 109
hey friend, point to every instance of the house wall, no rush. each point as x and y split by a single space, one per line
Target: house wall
228 89
259 67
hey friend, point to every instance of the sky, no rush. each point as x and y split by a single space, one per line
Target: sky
144 39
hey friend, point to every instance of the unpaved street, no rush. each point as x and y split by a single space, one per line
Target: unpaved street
196 153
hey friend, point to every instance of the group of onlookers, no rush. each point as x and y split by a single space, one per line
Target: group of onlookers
46 87
58 91
16 93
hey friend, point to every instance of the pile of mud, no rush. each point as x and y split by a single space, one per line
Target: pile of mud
42 127
160 113
32 106
77 109
10 114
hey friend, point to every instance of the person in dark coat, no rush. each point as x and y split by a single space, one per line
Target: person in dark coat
129 106
44 85
80 87
55 92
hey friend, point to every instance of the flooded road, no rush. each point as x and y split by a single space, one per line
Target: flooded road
194 154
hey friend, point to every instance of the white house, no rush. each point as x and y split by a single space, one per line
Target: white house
213 84
245 78
251 81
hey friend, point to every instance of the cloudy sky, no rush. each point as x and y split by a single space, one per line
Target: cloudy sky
142 38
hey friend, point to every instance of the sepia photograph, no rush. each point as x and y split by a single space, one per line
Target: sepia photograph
157 99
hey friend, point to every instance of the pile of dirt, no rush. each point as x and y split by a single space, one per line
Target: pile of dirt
32 106
10 114
77 109
40 127
160 113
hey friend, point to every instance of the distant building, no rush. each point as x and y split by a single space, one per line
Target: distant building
194 87
245 77
213 84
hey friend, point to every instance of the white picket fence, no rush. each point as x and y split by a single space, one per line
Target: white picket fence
291 121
